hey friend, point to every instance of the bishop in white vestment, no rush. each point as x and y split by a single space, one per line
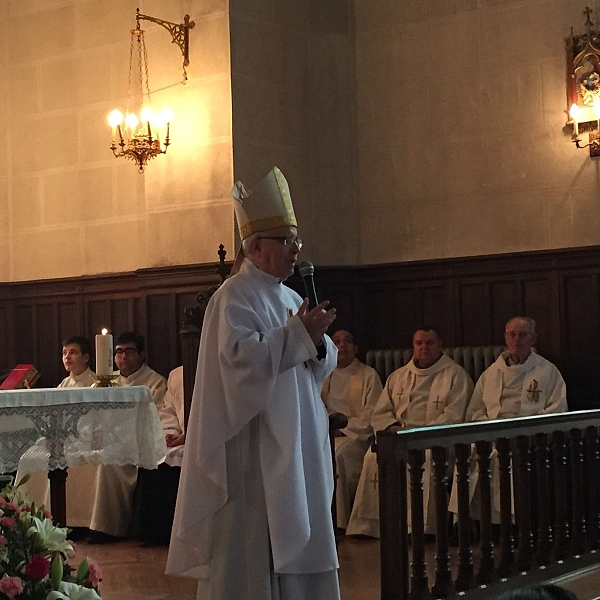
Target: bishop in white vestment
520 383
430 390
352 389
253 516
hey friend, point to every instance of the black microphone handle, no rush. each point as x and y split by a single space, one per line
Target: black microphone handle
311 292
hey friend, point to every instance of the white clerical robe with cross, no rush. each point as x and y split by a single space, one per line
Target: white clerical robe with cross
253 515
504 391
353 391
412 397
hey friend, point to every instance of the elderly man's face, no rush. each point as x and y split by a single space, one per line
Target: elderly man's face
519 338
277 251
427 348
344 342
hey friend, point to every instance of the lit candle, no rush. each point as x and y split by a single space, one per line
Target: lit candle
115 119
574 112
104 354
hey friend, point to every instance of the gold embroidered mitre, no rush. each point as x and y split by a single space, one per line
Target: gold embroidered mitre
267 207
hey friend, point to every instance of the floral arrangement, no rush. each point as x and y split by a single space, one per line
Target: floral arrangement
34 552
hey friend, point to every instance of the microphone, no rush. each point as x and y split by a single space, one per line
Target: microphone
307 271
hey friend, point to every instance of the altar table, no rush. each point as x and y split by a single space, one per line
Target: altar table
53 429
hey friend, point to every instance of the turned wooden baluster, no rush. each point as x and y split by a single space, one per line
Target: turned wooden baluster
561 525
486 564
418 578
544 529
507 550
523 503
393 521
443 576
593 473
465 553
578 537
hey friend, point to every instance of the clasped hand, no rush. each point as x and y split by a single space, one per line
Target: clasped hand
316 320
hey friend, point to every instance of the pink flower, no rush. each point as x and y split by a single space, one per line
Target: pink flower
12 506
3 502
95 573
47 514
2 540
26 509
11 586
7 522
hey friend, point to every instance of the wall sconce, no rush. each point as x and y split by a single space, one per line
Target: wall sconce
583 86
142 138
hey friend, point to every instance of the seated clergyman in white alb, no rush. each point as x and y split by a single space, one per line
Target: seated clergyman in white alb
81 480
113 503
76 354
430 390
156 490
352 389
520 383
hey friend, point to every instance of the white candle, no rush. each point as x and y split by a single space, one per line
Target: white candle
104 354
574 112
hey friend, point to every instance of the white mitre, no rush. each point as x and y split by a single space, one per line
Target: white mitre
267 207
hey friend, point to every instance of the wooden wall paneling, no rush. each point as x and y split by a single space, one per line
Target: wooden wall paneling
581 327
69 320
138 314
162 337
474 314
98 315
505 298
121 315
4 334
25 335
48 349
539 298
435 311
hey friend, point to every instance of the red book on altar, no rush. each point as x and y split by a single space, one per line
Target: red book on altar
22 376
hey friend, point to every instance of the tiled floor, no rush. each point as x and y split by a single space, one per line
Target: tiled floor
135 573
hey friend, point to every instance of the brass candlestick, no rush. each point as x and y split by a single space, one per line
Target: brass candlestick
104 381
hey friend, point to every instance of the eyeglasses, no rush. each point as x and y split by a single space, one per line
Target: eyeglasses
286 240
125 351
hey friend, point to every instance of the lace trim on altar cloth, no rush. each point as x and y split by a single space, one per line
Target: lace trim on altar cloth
39 438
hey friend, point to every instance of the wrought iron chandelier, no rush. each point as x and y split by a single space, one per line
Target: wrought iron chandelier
139 138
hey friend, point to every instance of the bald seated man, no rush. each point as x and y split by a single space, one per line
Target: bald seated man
520 383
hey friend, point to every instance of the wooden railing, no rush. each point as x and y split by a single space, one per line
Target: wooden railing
550 464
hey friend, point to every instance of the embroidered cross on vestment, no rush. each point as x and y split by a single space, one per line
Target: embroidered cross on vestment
533 391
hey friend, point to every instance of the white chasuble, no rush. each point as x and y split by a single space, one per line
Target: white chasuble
253 515
437 395
534 387
353 391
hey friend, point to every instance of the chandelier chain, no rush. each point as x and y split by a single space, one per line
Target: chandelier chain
130 65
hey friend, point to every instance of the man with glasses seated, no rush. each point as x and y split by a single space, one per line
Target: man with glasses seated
130 358
113 504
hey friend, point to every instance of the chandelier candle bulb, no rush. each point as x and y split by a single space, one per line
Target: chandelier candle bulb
104 354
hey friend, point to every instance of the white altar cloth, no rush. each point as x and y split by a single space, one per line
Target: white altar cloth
48 429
